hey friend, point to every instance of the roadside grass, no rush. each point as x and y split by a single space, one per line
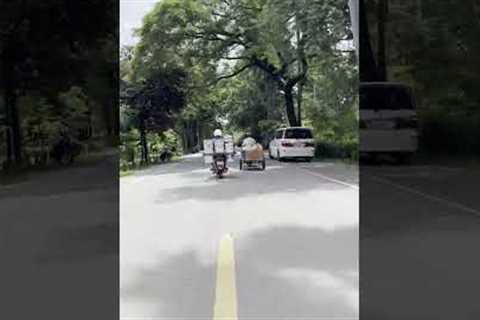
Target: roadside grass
349 161
126 171
11 178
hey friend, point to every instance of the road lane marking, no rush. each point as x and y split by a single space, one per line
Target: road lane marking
426 195
353 186
226 291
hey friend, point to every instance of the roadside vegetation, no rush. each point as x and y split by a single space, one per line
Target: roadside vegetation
56 88
245 66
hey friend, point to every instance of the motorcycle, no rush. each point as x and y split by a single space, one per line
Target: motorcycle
216 154
219 165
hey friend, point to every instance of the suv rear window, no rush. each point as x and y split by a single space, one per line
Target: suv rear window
385 98
298 134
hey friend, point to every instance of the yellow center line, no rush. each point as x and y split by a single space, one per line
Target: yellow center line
226 291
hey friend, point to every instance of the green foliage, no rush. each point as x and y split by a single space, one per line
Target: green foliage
129 148
40 121
84 55
449 132
250 66
166 140
157 143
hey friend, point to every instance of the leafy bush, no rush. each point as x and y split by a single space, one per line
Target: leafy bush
75 110
337 136
40 123
268 128
347 150
157 143
448 132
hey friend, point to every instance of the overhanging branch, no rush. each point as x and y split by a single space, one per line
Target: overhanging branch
235 73
220 78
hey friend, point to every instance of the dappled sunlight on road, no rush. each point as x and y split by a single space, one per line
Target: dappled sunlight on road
284 221
298 272
330 286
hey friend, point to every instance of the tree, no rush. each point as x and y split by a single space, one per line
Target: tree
45 46
230 37
156 103
368 66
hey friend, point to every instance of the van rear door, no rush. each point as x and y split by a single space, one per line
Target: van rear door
385 106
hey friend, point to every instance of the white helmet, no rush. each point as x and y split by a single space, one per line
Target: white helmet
217 133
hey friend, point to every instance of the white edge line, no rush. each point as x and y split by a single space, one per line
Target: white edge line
426 196
353 186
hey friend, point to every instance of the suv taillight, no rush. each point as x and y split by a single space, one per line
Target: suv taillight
309 144
287 144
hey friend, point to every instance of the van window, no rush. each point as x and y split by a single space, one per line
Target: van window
298 133
385 98
279 134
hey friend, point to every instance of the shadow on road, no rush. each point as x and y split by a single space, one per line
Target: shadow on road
292 272
181 287
282 273
239 184
187 164
419 232
80 243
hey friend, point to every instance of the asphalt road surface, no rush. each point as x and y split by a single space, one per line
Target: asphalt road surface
275 244
279 244
420 241
59 243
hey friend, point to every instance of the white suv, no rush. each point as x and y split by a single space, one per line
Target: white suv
292 142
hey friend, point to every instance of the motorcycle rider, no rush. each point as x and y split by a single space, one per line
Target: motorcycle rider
218 135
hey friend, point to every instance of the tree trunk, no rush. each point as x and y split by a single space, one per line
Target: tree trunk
144 142
303 70
290 106
368 68
10 98
381 29
184 137
299 103
199 135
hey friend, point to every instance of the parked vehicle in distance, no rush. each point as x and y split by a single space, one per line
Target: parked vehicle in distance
292 143
388 120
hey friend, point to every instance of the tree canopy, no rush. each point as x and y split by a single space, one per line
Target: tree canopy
49 47
250 65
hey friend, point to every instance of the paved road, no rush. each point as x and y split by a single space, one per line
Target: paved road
294 231
420 240
59 243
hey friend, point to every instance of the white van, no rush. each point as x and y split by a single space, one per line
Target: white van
292 142
388 120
